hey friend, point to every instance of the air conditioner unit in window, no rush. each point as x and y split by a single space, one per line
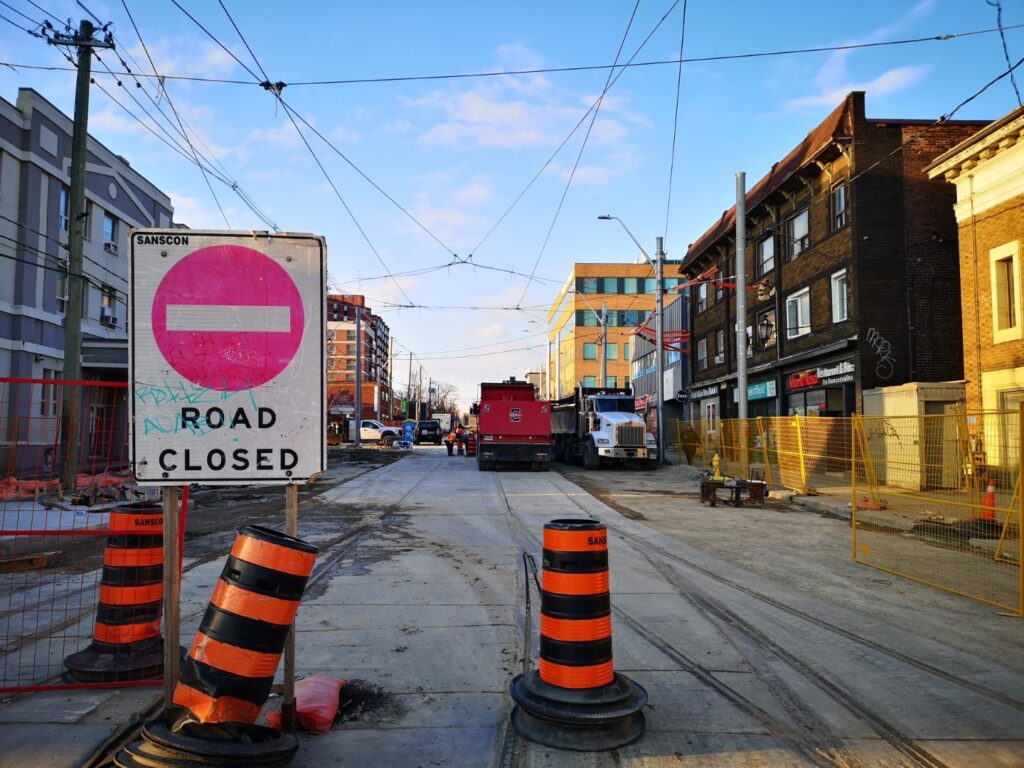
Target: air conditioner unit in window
110 246
720 358
108 318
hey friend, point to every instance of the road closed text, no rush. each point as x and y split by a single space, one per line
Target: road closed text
275 459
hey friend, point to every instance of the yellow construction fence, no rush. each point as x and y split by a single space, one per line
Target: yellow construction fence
936 499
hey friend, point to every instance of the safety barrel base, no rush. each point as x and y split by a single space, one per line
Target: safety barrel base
250 746
131 661
582 720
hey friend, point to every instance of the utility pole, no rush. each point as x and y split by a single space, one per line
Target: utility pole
408 400
604 344
659 350
741 315
70 396
359 373
741 292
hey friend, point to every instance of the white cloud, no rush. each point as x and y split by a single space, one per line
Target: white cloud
477 191
185 57
517 111
283 136
833 80
491 330
397 126
343 135
891 81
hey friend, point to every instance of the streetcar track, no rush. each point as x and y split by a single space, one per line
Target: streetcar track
746 638
644 544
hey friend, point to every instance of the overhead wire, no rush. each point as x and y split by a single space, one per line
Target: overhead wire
944 37
565 141
316 159
177 117
998 5
583 146
675 121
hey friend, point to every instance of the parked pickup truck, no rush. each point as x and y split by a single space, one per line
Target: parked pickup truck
372 431
428 432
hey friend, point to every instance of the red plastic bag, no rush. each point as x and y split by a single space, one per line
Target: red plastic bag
316 703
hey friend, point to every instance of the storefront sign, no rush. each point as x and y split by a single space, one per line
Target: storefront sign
697 394
826 375
760 390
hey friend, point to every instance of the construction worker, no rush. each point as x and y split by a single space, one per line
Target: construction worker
450 443
460 437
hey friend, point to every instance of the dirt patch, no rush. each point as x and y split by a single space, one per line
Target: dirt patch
362 701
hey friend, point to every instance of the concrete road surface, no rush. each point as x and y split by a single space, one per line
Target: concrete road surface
759 642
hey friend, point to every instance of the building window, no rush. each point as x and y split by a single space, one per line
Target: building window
49 394
702 354
798 237
88 220
590 381
625 351
765 252
108 306
62 292
590 351
840 310
1005 274
719 287
611 381
766 328
798 314
590 285
719 346
837 206
702 297
64 209
109 233
629 285
612 351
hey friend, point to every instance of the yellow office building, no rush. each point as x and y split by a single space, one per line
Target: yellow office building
574 327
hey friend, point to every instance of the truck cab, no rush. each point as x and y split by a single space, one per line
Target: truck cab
595 424
372 431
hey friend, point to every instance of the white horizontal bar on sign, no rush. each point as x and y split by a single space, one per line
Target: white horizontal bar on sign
232 317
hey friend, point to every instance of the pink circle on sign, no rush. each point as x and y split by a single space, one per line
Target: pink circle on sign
227 317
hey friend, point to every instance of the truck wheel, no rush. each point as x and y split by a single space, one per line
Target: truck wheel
648 465
591 459
387 440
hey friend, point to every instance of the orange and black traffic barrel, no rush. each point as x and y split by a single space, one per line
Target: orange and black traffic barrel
126 643
576 700
228 673
471 444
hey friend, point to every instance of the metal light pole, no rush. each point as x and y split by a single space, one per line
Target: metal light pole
659 357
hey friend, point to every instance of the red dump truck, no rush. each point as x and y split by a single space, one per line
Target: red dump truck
514 426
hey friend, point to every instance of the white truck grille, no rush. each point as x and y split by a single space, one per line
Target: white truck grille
630 435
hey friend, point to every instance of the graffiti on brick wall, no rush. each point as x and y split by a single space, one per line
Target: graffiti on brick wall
885 366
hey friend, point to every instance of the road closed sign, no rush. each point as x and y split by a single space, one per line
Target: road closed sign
226 354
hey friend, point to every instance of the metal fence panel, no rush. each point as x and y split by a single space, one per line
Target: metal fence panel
54 539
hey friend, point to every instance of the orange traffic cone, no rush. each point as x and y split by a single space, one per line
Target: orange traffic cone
988 502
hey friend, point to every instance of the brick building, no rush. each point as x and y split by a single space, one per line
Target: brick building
851 269
987 171
342 348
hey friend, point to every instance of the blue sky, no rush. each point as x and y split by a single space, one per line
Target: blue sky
455 153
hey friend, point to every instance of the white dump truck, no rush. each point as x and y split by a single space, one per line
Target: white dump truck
596 424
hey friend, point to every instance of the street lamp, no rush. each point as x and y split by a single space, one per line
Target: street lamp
659 330
764 330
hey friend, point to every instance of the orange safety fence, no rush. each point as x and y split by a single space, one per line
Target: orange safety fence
62 558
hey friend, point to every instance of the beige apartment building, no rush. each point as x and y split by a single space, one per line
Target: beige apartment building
628 291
